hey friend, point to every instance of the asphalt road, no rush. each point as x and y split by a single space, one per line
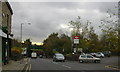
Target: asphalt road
48 64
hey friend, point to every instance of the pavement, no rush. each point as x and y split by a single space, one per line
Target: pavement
17 66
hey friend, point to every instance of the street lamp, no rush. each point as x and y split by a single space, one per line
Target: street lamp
21 29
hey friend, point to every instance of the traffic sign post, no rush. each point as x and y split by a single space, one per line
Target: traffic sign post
76 41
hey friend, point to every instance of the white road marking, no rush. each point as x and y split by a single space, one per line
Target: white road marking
55 62
66 66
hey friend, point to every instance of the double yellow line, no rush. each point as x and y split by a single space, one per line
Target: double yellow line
108 66
28 68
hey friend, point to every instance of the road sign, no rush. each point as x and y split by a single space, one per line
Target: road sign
76 39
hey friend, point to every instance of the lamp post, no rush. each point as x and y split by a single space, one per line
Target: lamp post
21 31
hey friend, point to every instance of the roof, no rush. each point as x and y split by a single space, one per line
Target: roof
9 7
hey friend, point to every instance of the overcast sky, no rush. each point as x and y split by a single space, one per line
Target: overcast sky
49 17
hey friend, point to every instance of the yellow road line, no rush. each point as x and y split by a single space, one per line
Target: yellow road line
26 68
108 66
115 69
30 67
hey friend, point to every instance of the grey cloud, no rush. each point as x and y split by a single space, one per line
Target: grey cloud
46 17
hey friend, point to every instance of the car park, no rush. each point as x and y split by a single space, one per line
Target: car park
58 57
88 58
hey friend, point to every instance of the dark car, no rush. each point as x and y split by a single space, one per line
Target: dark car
40 56
107 53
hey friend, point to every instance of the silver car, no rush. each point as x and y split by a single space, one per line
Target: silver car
99 55
59 57
88 58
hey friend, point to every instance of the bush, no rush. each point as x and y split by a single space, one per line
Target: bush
116 52
73 57
55 52
16 53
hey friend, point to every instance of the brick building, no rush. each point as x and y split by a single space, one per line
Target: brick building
5 31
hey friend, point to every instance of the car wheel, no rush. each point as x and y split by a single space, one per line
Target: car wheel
96 61
80 61
101 57
63 60
55 60
108 56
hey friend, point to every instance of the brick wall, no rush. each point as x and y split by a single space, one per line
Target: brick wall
6 18
0 13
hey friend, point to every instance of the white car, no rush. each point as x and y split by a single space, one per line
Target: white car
33 55
88 58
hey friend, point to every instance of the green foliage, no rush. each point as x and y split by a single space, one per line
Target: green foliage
55 52
5 29
55 43
73 57
89 40
110 29
88 37
36 49
16 43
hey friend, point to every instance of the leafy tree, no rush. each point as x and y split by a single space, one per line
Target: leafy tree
57 43
51 43
110 28
27 43
15 43
65 43
88 38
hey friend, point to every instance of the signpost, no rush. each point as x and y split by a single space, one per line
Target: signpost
75 50
76 41
80 50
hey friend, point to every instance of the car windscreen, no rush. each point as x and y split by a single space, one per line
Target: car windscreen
59 55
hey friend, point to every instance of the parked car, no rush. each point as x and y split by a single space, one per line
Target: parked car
107 53
33 55
99 54
40 56
24 52
88 58
93 54
59 57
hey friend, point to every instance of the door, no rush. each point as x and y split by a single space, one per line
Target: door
89 58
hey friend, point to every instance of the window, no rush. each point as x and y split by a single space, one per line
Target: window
89 56
83 56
